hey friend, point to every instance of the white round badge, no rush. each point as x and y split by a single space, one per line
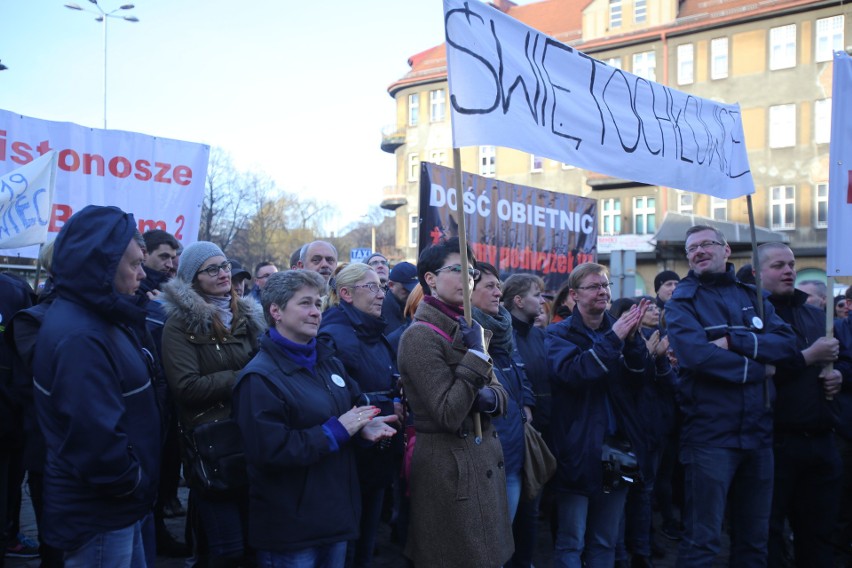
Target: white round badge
338 380
757 322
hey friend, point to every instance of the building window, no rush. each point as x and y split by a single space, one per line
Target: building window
822 121
782 47
413 109
718 209
610 216
613 62
413 230
640 11
438 157
413 167
644 215
829 37
536 163
782 207
685 203
645 65
487 160
719 58
685 64
782 126
614 13
437 105
821 205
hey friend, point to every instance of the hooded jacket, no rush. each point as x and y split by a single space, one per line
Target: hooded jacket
94 396
201 370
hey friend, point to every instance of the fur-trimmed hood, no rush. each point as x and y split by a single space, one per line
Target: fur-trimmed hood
180 300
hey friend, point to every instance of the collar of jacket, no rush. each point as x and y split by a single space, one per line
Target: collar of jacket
182 301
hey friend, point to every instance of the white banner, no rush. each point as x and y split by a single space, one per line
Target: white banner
26 199
513 86
838 259
159 180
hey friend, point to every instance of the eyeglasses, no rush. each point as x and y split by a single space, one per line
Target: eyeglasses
595 287
378 262
702 245
456 269
213 271
372 287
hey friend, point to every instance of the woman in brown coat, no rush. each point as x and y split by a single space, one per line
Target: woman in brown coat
210 335
459 514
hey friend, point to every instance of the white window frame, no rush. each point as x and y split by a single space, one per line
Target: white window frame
719 58
437 105
821 202
438 157
782 126
487 161
782 47
613 62
615 14
685 64
829 37
413 109
718 208
610 216
644 208
782 197
685 202
536 164
645 65
640 11
822 121
413 167
413 230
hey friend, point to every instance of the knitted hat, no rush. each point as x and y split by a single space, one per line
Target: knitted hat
194 256
660 279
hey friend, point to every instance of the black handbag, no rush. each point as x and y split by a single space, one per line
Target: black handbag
215 459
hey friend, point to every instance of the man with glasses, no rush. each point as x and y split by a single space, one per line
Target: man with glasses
599 365
727 351
380 264
262 272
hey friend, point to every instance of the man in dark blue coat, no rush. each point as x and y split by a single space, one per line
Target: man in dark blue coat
726 355
94 395
807 462
599 369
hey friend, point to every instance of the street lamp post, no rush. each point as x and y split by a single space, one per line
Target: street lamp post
103 16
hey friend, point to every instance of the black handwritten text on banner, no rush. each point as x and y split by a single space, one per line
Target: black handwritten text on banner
515 87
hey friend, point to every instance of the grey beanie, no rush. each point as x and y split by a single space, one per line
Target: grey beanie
194 256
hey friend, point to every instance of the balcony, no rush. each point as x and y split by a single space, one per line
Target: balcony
392 138
393 197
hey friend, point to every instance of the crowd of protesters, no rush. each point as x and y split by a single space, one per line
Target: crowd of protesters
305 406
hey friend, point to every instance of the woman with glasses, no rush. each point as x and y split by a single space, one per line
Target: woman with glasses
210 335
459 509
353 327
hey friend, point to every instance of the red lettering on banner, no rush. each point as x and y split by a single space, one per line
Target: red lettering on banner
59 214
179 232
149 225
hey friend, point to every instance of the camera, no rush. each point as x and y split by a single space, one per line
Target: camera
620 465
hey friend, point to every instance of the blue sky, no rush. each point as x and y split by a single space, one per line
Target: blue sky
295 89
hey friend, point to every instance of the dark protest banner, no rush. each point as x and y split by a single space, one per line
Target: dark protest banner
513 86
514 227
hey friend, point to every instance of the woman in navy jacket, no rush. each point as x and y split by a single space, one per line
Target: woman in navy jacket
353 328
295 407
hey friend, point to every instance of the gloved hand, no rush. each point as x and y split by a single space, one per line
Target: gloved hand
486 400
473 335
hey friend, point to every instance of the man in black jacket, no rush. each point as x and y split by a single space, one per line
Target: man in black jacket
807 462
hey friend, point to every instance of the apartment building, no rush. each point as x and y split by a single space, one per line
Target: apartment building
773 57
